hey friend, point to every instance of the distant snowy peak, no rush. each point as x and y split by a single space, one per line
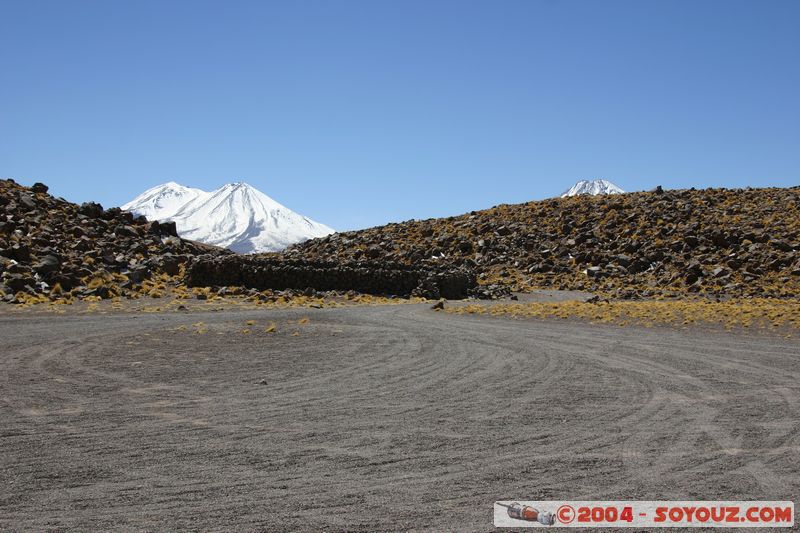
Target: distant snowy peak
592 187
235 216
163 201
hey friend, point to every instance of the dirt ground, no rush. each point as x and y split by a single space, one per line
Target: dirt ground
377 418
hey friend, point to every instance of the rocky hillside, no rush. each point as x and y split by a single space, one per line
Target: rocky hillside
715 241
54 250
52 247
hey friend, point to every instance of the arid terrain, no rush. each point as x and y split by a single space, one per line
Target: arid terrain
713 242
151 383
411 266
377 417
710 243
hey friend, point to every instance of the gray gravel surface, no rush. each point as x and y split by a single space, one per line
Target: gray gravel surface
377 418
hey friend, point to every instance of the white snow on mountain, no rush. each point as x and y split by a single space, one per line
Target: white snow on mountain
163 201
592 187
235 216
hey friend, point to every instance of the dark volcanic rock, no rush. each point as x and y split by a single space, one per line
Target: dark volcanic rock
19 282
742 243
91 209
660 242
18 252
46 241
47 264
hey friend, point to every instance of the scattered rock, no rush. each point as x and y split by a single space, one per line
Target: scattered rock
668 241
91 209
47 265
713 242
84 250
720 272
373 252
594 271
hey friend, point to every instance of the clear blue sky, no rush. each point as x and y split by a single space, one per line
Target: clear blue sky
357 113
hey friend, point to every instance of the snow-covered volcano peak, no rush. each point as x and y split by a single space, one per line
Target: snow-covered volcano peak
592 187
163 201
242 195
236 216
236 185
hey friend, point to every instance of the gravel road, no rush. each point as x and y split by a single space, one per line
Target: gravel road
377 418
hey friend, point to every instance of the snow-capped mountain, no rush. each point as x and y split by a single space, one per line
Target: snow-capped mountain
593 187
163 201
235 216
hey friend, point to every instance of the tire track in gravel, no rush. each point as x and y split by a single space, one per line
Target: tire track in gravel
685 390
378 418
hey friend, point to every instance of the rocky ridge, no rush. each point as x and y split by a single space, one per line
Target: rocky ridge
52 247
54 250
714 242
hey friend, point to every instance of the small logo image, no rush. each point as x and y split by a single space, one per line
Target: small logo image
565 514
643 514
528 513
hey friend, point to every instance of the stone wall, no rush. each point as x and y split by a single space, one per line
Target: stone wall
371 277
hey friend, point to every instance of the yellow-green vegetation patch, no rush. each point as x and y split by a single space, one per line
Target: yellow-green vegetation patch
763 313
158 296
